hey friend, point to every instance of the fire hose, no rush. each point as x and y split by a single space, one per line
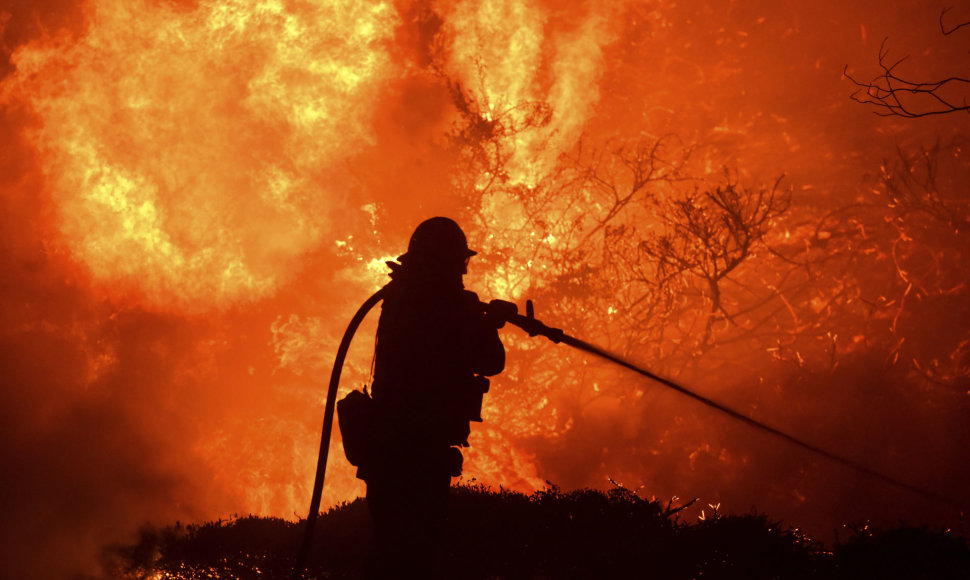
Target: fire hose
534 327
338 364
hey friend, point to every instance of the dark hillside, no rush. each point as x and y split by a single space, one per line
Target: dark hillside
551 534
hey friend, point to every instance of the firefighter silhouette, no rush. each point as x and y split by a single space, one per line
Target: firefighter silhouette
436 343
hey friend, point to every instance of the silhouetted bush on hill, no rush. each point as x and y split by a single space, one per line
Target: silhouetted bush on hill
903 553
549 535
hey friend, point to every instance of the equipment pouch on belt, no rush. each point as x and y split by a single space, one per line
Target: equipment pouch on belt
355 417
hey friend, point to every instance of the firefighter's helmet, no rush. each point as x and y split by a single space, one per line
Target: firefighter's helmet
438 239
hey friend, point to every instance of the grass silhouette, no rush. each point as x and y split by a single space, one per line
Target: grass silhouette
551 534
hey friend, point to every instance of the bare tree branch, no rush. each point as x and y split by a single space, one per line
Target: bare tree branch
894 95
943 28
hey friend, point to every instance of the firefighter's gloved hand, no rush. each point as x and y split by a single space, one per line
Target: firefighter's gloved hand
498 312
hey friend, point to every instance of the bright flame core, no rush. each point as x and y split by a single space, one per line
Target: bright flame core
188 150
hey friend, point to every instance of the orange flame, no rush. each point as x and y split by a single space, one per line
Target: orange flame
502 53
188 151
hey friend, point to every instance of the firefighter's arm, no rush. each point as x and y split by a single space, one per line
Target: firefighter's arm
492 360
488 353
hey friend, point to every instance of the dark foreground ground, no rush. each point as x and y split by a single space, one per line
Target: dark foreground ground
551 535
